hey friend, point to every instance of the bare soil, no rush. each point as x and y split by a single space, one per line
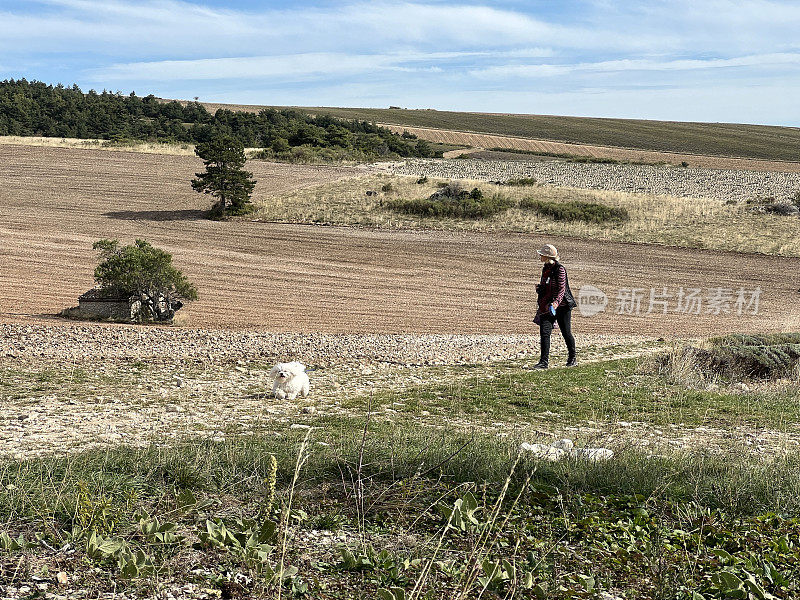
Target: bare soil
54 202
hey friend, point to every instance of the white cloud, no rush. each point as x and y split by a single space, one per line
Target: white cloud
295 66
426 49
186 30
610 66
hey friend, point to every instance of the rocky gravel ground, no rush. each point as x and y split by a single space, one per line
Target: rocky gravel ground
90 342
70 388
76 387
723 185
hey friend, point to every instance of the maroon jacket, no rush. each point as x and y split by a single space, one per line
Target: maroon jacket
554 288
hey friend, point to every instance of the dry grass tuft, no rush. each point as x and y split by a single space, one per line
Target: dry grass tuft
688 222
95 144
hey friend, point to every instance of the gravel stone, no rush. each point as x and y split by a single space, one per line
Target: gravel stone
720 184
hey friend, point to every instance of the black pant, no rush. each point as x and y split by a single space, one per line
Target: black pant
564 317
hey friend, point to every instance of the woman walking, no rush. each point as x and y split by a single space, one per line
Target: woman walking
555 304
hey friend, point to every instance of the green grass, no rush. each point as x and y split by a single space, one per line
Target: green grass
722 139
607 391
656 526
650 525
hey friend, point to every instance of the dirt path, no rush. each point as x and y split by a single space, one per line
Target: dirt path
55 202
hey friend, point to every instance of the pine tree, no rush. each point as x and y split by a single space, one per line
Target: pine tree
224 177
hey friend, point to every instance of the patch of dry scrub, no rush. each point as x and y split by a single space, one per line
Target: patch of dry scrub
693 222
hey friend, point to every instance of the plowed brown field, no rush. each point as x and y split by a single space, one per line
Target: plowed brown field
488 141
54 202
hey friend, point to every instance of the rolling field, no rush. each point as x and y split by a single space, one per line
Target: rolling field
144 462
715 139
483 140
54 202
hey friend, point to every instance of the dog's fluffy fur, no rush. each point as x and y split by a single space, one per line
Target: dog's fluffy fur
290 380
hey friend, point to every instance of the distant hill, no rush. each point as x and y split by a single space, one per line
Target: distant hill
716 139
33 108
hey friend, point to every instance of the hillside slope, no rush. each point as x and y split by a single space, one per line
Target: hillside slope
54 202
718 139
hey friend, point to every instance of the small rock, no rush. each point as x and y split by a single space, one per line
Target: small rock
62 578
565 444
543 452
176 408
308 410
595 453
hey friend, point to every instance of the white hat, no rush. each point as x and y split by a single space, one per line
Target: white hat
549 251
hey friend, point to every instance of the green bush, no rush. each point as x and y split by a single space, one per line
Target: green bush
455 202
522 181
751 356
575 210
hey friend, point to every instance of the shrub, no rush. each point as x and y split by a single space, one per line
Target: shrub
769 204
145 272
575 210
764 356
522 181
784 209
796 199
684 164
455 202
387 187
422 180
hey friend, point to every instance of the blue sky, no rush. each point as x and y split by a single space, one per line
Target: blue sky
715 60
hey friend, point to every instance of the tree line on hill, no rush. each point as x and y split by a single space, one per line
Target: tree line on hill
33 108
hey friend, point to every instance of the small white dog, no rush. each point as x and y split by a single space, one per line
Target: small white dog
290 380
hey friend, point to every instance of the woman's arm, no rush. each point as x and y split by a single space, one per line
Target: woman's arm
561 279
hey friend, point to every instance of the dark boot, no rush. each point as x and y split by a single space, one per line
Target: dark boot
572 361
540 365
